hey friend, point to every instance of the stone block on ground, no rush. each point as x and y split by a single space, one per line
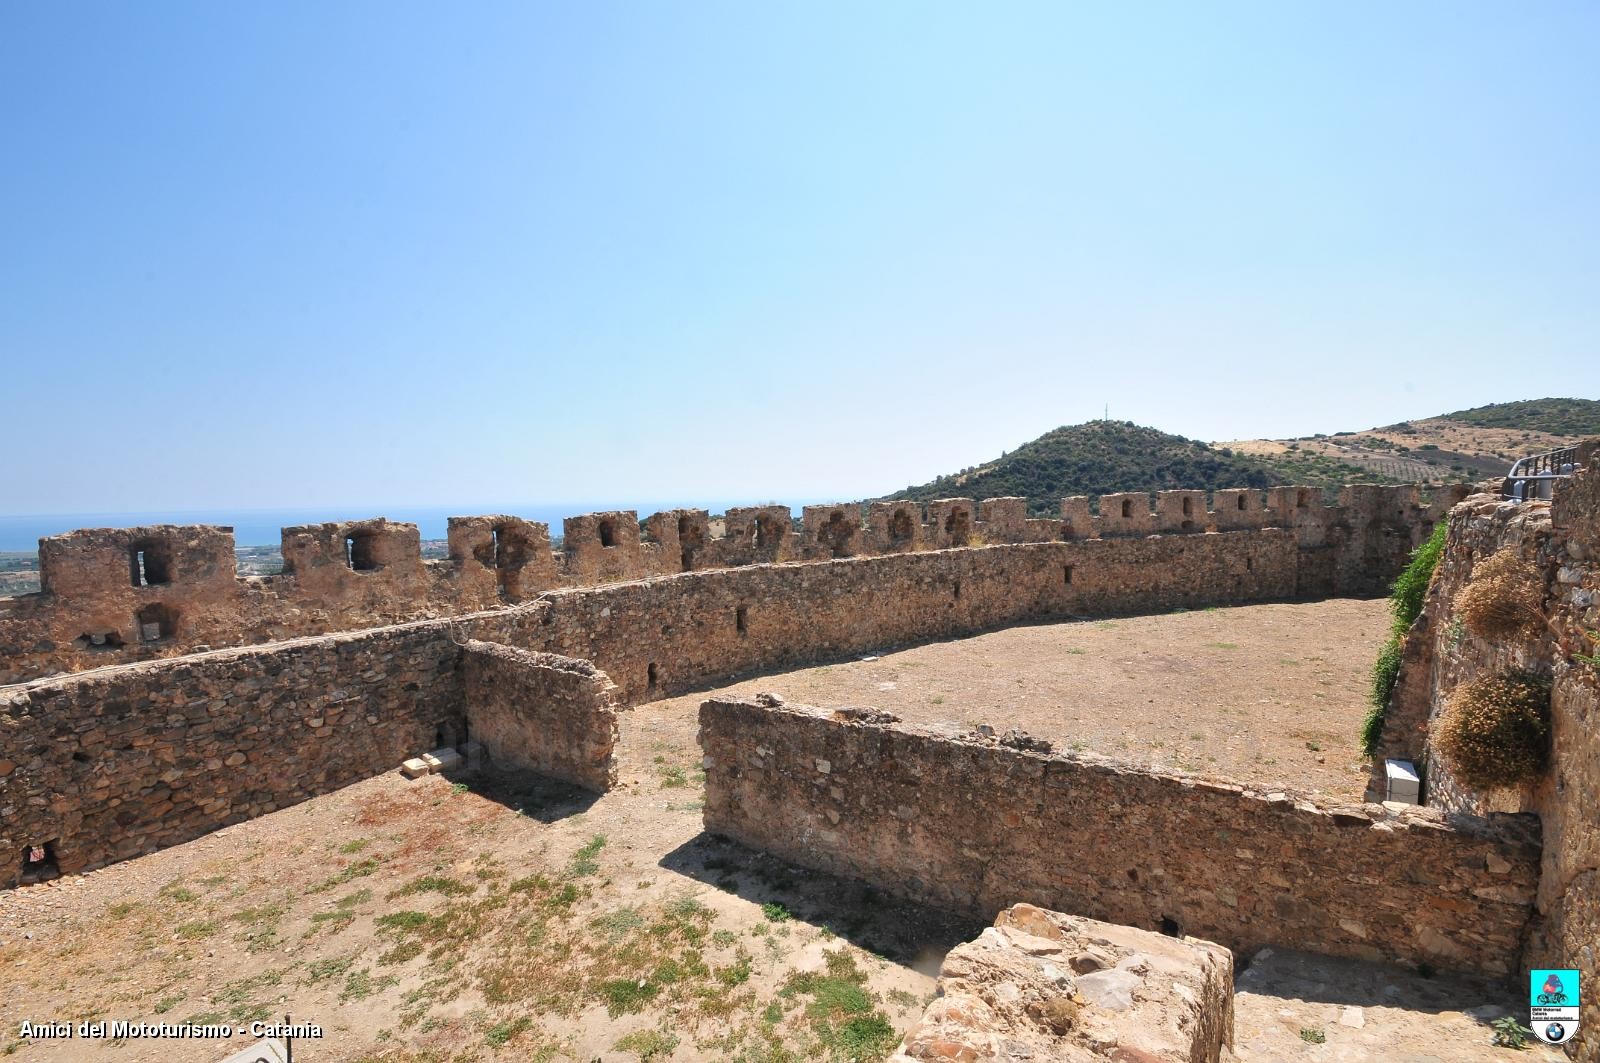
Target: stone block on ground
445 759
415 768
1041 985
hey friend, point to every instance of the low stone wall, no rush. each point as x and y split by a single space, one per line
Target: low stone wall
973 826
542 712
1046 986
106 765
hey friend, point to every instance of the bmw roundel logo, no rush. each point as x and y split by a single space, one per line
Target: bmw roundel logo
1555 1031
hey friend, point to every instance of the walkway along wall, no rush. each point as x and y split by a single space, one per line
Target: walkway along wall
973 826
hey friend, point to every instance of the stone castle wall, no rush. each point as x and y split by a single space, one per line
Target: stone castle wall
112 762
109 596
678 633
1561 538
973 826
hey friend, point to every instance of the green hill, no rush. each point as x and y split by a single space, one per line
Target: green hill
1103 457
1562 417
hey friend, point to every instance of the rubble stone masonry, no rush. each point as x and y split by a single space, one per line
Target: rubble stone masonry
110 596
542 712
973 825
1561 538
109 764
114 762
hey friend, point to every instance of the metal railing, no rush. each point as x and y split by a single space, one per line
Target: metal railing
1531 478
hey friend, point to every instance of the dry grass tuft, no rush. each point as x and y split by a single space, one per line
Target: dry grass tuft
1504 598
1495 730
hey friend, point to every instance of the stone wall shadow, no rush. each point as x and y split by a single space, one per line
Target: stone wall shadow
527 793
1295 975
900 931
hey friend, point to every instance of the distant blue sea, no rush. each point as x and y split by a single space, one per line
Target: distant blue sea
261 527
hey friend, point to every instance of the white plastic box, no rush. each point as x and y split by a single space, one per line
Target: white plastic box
1403 783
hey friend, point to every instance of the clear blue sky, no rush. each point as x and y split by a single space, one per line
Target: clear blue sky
262 254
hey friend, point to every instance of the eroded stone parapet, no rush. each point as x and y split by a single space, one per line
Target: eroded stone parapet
1125 513
1003 520
1077 522
895 527
754 535
1181 512
508 558
1236 509
1040 985
832 531
952 522
601 547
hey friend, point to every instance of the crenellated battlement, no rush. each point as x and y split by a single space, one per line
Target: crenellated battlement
114 595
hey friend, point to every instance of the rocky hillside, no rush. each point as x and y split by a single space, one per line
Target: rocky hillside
1470 444
1105 456
1101 457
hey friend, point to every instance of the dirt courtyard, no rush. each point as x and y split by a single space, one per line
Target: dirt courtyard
1266 694
497 917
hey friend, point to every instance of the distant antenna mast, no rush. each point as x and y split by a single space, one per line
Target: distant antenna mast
1107 416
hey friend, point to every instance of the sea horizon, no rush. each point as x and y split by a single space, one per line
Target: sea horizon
263 527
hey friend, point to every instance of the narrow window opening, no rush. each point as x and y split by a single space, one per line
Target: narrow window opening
438 737
148 565
1249 564
957 589
1133 874
1127 507
650 675
766 533
1302 498
1066 575
359 553
741 620
39 863
691 538
1188 507
958 527
1170 927
1239 502
495 533
608 533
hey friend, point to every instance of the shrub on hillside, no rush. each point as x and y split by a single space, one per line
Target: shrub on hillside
1495 730
1504 597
